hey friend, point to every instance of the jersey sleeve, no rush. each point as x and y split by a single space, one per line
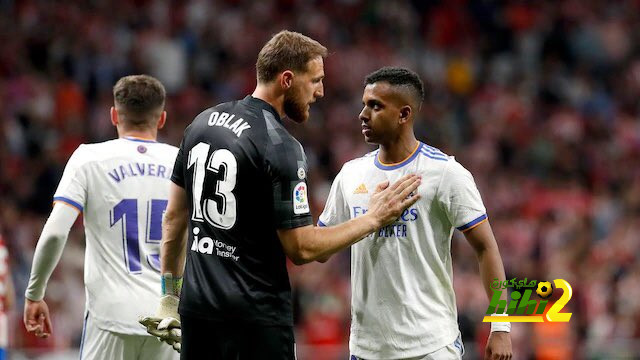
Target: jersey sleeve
336 210
72 189
287 168
460 198
177 177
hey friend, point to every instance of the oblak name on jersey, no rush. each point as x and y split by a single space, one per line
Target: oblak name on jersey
224 119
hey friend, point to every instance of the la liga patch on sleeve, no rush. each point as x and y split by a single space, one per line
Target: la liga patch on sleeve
300 199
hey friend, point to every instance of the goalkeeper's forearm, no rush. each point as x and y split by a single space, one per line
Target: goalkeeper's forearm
174 233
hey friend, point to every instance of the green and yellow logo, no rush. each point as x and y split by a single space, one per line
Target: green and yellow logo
524 309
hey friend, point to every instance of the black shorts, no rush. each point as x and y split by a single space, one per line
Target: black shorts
205 339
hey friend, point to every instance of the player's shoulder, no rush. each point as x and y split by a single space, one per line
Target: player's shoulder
94 152
168 148
239 108
434 159
361 163
238 116
433 153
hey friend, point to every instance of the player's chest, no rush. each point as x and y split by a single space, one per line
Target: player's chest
358 187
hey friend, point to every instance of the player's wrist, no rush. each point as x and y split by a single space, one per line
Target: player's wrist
171 285
372 222
33 296
500 326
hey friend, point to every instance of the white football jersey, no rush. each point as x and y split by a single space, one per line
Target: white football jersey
121 187
403 304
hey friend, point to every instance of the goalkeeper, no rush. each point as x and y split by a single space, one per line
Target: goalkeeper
240 189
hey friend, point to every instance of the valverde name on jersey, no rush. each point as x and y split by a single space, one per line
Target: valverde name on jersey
134 169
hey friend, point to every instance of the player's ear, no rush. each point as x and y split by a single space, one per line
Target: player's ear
114 116
162 120
405 114
286 79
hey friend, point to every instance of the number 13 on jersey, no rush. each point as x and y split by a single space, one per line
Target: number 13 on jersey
220 210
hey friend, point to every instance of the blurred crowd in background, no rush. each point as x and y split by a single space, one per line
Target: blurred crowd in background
538 99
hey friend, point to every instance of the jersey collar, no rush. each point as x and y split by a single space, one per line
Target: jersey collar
383 166
259 103
138 139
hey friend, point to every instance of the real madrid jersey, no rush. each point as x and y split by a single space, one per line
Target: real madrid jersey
121 187
403 303
245 178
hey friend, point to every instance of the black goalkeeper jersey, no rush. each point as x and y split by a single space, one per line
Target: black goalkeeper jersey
245 177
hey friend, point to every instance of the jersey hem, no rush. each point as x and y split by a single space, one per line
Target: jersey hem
419 351
118 327
208 317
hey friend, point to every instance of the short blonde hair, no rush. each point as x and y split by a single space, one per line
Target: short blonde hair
287 50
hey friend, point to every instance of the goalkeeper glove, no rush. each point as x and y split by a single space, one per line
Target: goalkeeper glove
165 324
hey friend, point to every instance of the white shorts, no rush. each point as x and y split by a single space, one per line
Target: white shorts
453 351
99 344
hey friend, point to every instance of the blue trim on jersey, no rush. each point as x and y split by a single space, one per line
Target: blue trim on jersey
3 354
433 153
84 332
382 166
472 222
139 140
320 223
69 201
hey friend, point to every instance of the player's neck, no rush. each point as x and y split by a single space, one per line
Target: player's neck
139 134
265 93
398 150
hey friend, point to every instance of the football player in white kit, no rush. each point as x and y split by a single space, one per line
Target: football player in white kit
403 303
121 186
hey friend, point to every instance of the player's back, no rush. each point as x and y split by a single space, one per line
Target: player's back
241 170
122 187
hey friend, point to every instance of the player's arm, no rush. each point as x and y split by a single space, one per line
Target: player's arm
10 291
174 232
484 243
309 243
48 251
165 324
